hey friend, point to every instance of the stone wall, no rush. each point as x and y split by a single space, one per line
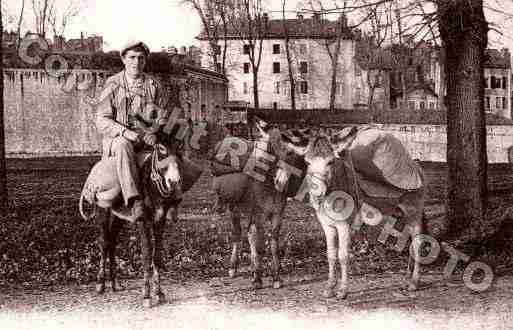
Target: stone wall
49 116
429 142
44 119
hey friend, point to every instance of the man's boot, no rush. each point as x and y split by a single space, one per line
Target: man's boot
138 210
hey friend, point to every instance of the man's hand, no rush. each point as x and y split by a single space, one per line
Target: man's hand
150 139
131 135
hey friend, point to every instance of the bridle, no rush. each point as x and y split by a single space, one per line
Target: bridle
156 177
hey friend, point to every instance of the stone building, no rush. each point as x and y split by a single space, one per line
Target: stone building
311 65
497 74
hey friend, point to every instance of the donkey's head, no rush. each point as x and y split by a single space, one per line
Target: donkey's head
320 150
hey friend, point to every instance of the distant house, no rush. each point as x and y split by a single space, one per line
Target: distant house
91 44
497 74
421 97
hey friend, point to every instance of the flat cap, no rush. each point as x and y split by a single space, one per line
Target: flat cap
133 44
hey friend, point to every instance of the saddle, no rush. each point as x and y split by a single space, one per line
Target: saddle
102 186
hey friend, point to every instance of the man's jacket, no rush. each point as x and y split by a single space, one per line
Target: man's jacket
118 105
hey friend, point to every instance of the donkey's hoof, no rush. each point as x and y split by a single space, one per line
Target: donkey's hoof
342 294
161 298
328 292
100 288
147 302
277 284
115 287
257 285
412 286
232 273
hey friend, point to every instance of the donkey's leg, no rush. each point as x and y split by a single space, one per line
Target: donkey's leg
159 226
414 257
330 233
275 248
344 244
103 244
146 246
115 228
256 243
236 239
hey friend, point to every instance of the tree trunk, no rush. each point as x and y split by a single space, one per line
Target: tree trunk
441 92
255 90
291 73
334 66
3 170
463 29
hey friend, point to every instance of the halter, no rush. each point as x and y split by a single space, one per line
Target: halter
155 175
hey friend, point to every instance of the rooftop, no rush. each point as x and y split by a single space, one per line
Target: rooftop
314 27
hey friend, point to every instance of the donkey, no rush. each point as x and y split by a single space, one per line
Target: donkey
371 167
165 176
264 196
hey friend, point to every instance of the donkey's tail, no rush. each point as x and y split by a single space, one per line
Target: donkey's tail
81 209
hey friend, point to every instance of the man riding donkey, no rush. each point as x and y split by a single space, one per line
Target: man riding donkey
131 101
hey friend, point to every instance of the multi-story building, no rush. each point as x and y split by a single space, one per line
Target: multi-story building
311 65
497 74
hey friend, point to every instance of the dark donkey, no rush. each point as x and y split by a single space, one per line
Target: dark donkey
371 166
257 189
165 176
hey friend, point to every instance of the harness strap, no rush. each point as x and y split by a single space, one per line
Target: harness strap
156 177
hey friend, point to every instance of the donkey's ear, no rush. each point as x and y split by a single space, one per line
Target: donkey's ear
343 139
295 141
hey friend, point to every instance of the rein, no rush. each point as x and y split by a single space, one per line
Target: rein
155 175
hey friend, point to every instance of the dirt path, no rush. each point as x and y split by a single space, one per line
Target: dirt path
374 302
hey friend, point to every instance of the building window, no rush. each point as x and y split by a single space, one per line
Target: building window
277 87
245 87
422 105
217 49
246 67
487 85
218 67
432 105
276 48
498 104
275 105
411 105
302 48
304 87
276 67
245 49
504 103
504 83
303 67
487 103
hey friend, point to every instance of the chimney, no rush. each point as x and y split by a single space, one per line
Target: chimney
183 50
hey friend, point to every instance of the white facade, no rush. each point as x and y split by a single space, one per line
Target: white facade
312 86
497 95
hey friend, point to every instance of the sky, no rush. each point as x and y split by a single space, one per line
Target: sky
163 23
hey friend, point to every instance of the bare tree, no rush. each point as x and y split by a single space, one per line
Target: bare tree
59 19
370 52
42 9
292 80
20 22
213 15
331 35
3 169
250 23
